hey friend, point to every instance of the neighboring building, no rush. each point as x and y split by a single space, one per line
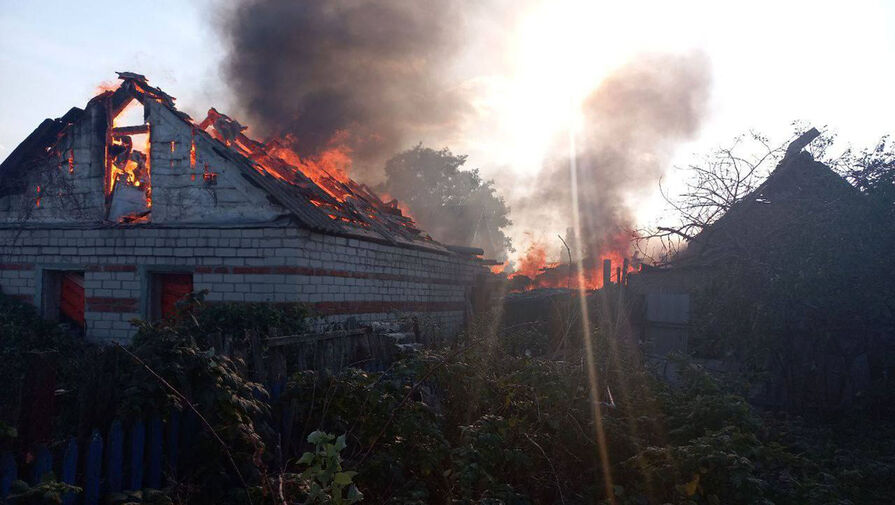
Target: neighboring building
794 270
103 221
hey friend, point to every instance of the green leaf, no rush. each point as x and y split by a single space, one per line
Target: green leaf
340 443
306 458
354 494
319 437
344 478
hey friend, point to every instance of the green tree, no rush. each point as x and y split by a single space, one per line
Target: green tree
455 206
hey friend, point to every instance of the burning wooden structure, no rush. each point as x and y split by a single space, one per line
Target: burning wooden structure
113 211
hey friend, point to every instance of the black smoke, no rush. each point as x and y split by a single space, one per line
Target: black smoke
368 75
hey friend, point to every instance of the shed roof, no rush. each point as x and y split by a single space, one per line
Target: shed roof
801 196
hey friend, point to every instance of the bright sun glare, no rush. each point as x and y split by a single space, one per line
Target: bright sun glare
562 51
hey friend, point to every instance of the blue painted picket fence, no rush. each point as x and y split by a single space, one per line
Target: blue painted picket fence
122 460
130 456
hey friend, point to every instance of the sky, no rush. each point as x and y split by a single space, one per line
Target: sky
825 63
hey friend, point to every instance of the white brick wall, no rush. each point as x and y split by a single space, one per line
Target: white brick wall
265 264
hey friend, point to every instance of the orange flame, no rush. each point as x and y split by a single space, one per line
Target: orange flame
390 201
131 171
534 266
328 169
106 86
534 262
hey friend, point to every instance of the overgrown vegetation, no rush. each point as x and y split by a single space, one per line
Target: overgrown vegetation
478 423
483 426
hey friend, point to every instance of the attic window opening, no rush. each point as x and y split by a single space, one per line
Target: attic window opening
128 156
133 114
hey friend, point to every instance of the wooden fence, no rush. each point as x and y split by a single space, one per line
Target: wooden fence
124 458
372 348
133 456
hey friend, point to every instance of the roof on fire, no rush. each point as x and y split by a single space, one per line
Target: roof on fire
356 211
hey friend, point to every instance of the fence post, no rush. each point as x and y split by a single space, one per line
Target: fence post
93 469
155 452
8 473
70 468
217 342
173 438
115 457
138 441
189 430
43 464
257 350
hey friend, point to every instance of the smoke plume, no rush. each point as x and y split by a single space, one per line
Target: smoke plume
631 124
355 74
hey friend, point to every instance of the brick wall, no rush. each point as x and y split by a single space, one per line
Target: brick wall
339 277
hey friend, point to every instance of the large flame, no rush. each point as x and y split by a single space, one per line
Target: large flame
534 271
328 169
134 170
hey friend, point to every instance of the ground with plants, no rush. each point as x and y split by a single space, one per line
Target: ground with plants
477 422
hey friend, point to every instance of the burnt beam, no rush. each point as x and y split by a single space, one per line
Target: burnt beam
130 130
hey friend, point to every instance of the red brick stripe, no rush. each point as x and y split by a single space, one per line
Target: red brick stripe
322 272
369 307
111 268
120 268
16 266
251 270
208 270
107 304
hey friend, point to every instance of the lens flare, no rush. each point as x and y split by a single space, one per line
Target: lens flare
592 376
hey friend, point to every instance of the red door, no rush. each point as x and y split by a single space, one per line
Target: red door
71 297
174 287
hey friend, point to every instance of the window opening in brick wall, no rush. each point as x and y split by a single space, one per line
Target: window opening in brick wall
166 289
63 298
128 149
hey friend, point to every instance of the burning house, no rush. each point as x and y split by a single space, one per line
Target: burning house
116 210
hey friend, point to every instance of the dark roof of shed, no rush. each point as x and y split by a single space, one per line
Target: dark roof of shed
800 193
